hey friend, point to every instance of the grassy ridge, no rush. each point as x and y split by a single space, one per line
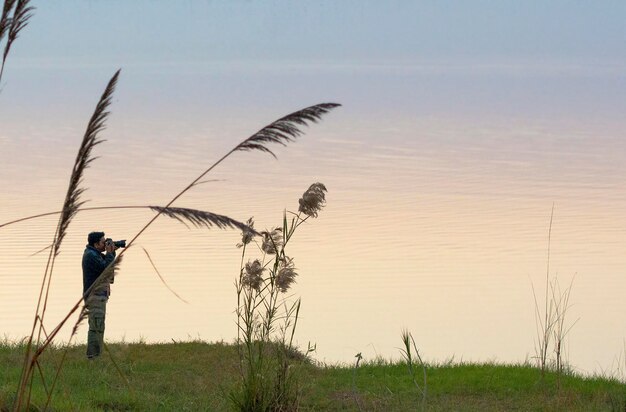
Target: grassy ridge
198 376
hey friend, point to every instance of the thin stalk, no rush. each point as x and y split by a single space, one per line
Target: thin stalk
83 209
546 329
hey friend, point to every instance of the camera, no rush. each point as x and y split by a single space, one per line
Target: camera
117 243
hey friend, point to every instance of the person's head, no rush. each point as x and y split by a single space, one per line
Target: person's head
96 240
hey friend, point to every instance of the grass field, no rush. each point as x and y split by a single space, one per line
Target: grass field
197 376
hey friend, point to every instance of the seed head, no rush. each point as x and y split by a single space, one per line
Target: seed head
253 278
313 200
272 241
247 235
286 274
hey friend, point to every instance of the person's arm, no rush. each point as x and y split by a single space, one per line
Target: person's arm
96 265
93 266
110 256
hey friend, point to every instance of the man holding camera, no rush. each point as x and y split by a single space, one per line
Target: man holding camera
94 263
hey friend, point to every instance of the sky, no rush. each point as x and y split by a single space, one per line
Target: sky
390 32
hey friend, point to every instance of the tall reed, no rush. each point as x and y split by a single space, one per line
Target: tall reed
266 316
551 324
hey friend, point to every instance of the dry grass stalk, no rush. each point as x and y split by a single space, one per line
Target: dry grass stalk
544 322
561 329
551 324
210 218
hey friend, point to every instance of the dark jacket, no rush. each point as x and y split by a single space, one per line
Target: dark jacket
94 264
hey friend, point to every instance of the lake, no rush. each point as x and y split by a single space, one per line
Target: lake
441 182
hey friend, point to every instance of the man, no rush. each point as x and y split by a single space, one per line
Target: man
94 263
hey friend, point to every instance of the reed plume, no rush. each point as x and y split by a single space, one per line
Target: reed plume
285 129
5 19
201 218
83 159
15 16
313 200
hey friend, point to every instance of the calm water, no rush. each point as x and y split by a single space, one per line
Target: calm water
441 182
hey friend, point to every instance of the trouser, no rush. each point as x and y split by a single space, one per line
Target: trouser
96 306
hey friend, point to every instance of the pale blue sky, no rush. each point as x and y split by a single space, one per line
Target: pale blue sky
129 32
477 58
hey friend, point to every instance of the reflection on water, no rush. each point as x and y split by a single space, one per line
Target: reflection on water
434 223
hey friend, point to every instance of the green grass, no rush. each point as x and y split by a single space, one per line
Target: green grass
197 376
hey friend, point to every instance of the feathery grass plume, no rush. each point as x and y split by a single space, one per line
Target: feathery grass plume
272 241
11 26
286 274
5 19
84 313
247 235
200 218
83 160
285 129
253 276
313 200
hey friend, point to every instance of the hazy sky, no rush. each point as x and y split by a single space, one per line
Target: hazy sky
338 31
530 58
